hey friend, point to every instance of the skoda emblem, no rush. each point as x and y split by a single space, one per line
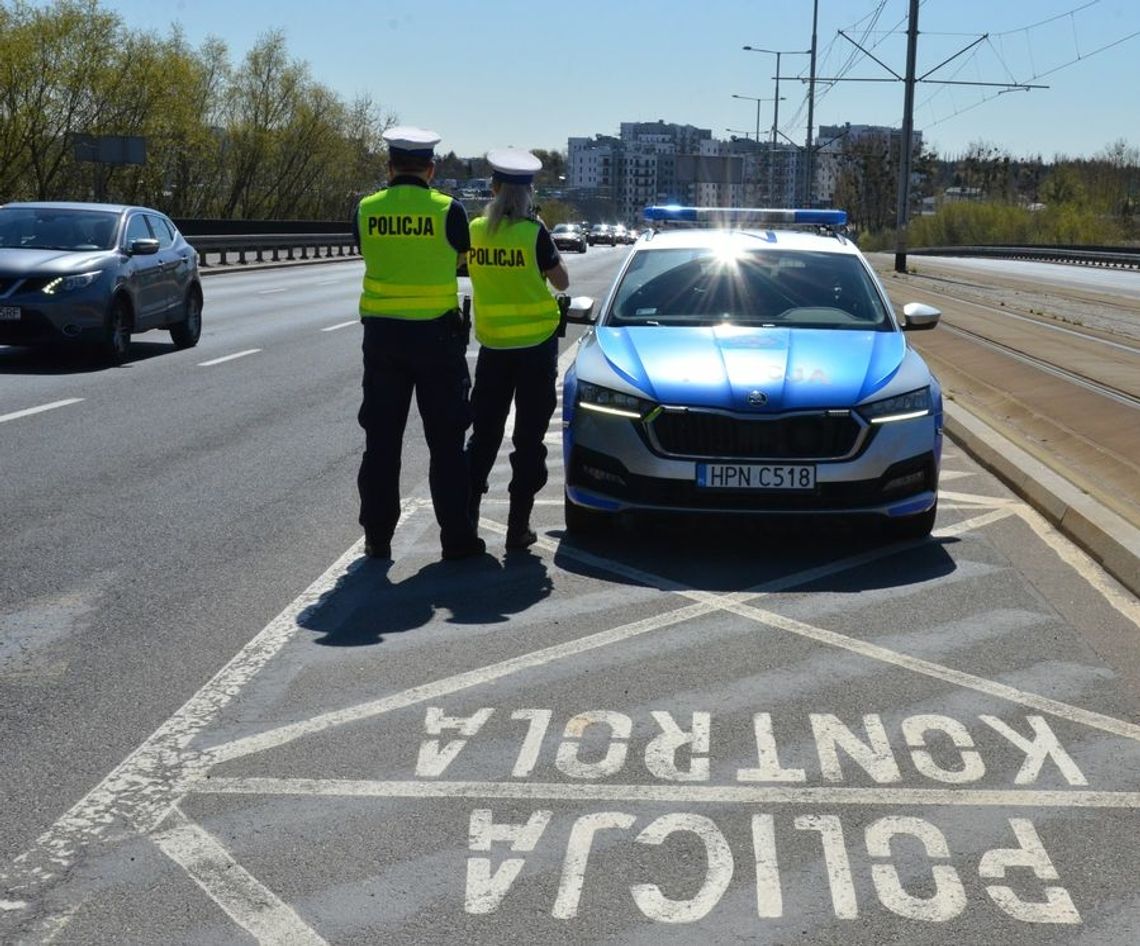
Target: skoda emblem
757 398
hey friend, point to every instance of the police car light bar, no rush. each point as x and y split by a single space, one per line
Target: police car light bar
745 216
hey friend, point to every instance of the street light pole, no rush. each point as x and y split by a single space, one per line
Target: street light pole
757 100
753 98
776 114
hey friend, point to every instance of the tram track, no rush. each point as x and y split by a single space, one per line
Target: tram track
1090 384
1056 374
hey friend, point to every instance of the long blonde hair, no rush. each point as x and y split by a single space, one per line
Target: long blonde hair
511 202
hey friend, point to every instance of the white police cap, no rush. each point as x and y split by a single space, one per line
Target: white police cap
414 141
512 166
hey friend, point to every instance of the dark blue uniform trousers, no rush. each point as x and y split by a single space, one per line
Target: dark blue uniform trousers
429 358
528 377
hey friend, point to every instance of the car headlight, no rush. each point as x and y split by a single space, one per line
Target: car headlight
62 284
593 397
901 407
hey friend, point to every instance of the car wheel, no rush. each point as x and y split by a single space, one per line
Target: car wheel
116 341
912 527
583 521
187 332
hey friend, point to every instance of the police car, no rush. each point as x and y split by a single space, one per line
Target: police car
749 362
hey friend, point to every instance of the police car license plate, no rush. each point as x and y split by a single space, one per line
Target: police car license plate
755 476
9 313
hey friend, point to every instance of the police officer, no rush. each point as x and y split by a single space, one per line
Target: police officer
516 321
412 238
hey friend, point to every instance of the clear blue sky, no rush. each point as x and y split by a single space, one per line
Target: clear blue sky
493 73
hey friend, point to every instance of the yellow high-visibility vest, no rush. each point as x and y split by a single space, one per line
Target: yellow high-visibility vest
513 306
409 267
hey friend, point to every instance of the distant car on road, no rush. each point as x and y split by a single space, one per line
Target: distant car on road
751 365
95 274
601 233
569 236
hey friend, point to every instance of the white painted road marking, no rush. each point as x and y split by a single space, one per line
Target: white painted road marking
333 328
681 794
218 361
28 412
707 603
146 786
269 292
248 902
734 603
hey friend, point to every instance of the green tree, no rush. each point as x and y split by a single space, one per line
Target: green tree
60 70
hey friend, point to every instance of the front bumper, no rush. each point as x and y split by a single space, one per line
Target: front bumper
75 319
613 464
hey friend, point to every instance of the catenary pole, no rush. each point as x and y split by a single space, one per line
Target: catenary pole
809 154
905 142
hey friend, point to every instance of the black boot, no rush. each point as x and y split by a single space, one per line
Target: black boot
519 533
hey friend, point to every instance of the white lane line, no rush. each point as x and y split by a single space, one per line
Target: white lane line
680 794
28 412
245 900
269 292
1073 556
218 361
333 328
991 502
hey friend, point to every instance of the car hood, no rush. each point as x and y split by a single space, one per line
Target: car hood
30 262
726 366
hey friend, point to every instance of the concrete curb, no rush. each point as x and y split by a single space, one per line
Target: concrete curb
1109 538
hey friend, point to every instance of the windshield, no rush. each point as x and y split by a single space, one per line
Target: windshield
55 229
706 286
566 228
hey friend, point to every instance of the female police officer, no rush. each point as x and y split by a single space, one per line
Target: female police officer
411 238
516 322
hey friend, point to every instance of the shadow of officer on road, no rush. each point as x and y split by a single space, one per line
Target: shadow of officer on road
366 605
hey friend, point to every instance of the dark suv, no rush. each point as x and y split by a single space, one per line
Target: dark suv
95 274
601 233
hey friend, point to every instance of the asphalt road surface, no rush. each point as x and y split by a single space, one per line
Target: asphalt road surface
221 725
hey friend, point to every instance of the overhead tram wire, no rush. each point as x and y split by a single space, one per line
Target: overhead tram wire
1001 56
812 99
1037 74
1040 75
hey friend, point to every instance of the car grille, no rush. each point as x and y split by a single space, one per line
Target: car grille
814 436
608 476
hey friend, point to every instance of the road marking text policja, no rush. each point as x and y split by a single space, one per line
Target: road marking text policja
680 754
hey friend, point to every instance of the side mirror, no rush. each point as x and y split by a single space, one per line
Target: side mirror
918 316
581 310
143 247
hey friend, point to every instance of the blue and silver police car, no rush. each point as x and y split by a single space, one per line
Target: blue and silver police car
750 363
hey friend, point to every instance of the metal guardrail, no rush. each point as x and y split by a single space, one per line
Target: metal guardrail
271 247
1108 256
290 247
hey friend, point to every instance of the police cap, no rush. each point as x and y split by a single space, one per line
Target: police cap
512 166
415 142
